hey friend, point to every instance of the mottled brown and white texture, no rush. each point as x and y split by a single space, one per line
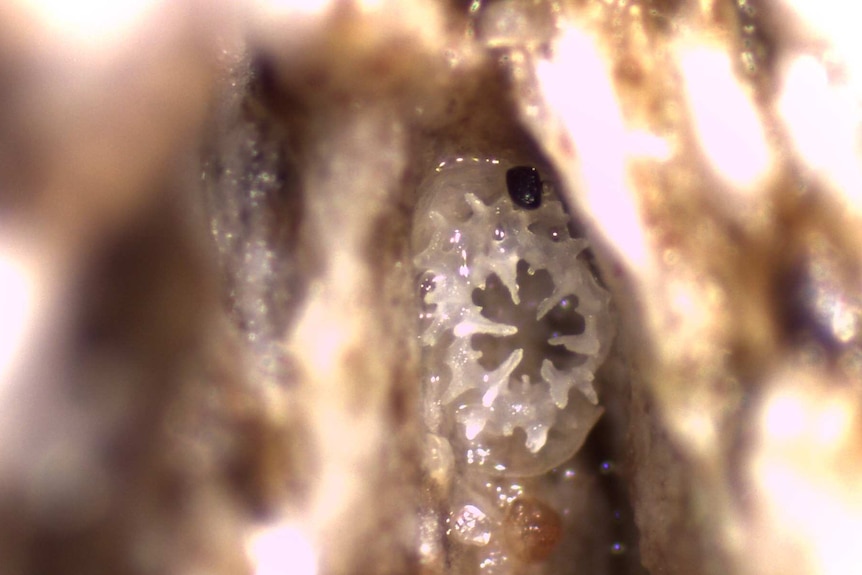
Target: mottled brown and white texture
209 353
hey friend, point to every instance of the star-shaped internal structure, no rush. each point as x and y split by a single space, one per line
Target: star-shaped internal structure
522 315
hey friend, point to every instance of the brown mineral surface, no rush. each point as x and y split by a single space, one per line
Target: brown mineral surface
437 287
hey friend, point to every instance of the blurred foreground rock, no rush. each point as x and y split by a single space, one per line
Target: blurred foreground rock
208 354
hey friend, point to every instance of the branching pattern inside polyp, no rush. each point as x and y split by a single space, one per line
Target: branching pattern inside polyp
533 333
513 319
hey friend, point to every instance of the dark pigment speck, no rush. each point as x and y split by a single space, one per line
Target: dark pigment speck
525 187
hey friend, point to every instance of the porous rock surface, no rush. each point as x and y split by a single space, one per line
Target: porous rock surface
210 356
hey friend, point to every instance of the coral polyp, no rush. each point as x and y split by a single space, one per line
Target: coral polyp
514 321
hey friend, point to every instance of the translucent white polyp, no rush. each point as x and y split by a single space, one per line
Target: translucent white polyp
499 454
466 230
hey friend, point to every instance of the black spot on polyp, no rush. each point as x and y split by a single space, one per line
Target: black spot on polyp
525 187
